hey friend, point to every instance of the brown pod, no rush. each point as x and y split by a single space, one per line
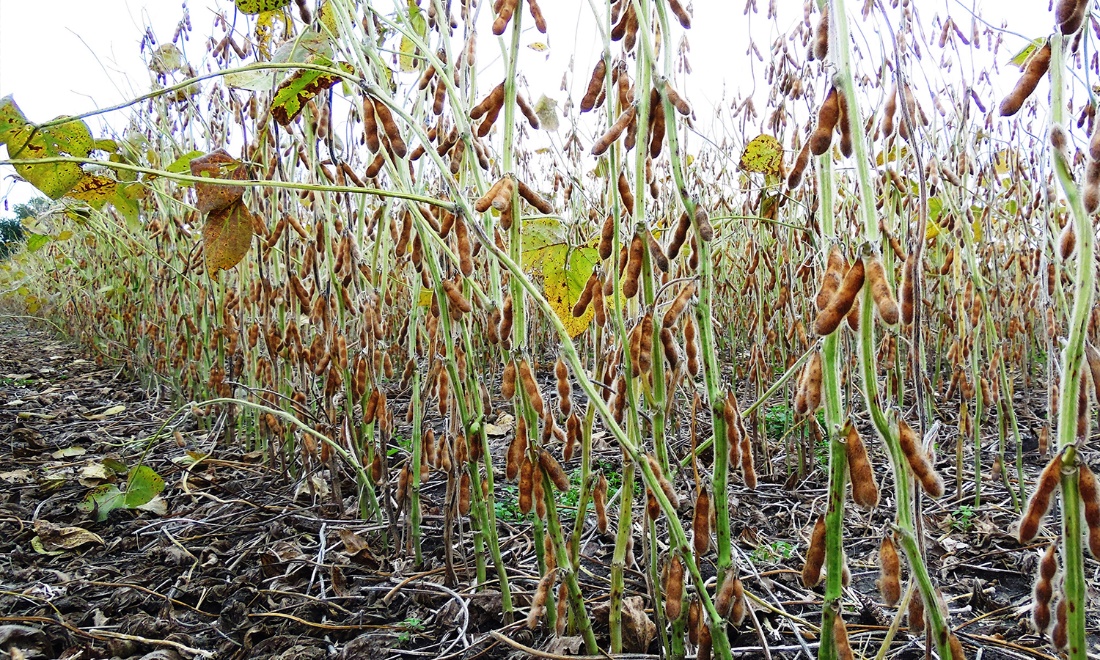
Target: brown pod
537 17
1090 500
455 297
595 86
889 111
828 319
910 443
1059 634
389 127
656 125
909 274
1069 15
1067 241
815 555
695 616
370 126
809 390
660 260
506 322
1035 69
830 282
679 304
916 612
844 125
679 235
607 237
691 347
1090 191
702 225
527 378
586 295
464 494
504 16
730 416
827 117
662 480
670 348
674 587
1039 504
508 380
599 503
652 506
632 277
625 194
748 467
534 199
526 485
801 162
561 376
370 411
484 202
821 36
723 599
538 601
1042 592
956 647
503 198
700 523
864 487
552 468
429 448
889 581
681 14
840 638
465 248
603 142
885 304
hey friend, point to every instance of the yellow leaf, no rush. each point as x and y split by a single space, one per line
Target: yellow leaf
932 230
764 155
564 272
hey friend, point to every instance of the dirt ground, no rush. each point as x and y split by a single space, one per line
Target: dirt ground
233 561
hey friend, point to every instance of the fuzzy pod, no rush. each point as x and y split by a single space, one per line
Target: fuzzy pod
723 598
677 101
1090 190
830 281
538 601
703 228
1034 70
485 201
600 312
656 125
865 491
808 398
652 506
502 201
370 126
582 303
889 581
534 199
695 616
1090 501
827 117
506 323
536 15
531 387
504 16
748 466
464 494
1069 15
455 297
922 468
526 485
603 142
678 305
517 451
840 639
632 276
885 304
691 347
1039 503
645 344
844 125
909 273
820 50
464 248
595 86
842 302
674 587
670 348
662 480
508 380
679 235
626 195
700 524
599 503
390 129
955 644
552 468
607 237
915 613
572 436
1042 592
561 378
815 555
1059 634
660 259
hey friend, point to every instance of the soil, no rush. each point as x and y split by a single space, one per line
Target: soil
234 560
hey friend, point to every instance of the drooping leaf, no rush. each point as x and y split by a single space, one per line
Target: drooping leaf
217 165
69 139
764 155
257 6
1022 56
297 90
36 242
407 59
183 163
226 237
166 59
547 110
144 484
564 272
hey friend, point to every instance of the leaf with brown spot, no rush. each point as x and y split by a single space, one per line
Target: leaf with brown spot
304 84
217 165
95 189
226 237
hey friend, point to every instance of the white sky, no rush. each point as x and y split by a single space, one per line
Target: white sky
72 56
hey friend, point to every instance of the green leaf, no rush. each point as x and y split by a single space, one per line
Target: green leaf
564 272
36 242
257 6
143 486
69 139
102 500
764 155
297 90
1022 56
539 233
419 24
183 163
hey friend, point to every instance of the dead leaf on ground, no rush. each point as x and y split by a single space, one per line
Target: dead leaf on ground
53 537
